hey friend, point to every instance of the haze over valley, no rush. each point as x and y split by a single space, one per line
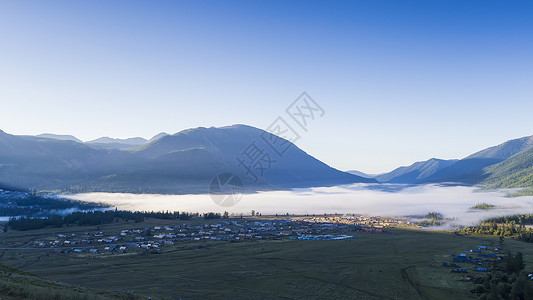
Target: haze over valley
111 172
231 149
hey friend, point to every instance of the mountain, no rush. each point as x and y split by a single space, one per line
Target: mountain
28 162
470 169
361 174
415 173
515 172
59 137
185 162
116 144
224 146
130 141
157 136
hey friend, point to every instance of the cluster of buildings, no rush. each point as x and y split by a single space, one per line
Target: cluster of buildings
480 260
152 239
323 237
362 221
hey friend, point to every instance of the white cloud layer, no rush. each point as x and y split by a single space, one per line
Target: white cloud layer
378 200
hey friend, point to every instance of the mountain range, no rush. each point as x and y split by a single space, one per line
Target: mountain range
415 173
184 162
508 165
106 142
187 161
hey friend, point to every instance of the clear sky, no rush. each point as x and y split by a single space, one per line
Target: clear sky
400 81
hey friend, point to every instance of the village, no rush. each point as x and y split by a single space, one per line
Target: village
371 222
481 259
151 239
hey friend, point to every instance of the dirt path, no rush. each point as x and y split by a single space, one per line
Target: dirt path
412 283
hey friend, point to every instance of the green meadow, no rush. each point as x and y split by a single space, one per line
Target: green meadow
398 264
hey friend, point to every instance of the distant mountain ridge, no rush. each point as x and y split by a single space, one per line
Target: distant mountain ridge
116 144
181 163
470 169
362 174
105 142
129 141
417 172
59 137
505 150
507 165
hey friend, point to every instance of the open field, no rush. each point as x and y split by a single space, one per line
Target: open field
393 265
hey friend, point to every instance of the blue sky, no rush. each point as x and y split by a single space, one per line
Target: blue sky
400 81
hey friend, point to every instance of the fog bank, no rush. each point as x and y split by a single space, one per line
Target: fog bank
379 200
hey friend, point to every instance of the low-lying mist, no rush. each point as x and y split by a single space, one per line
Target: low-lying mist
453 202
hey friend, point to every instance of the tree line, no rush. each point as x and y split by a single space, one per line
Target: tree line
508 282
99 218
510 226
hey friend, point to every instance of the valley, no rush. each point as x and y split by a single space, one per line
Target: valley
273 267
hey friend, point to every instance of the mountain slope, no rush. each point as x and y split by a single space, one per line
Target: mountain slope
361 174
157 136
515 172
470 169
415 173
17 284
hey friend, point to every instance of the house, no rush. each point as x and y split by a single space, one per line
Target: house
459 270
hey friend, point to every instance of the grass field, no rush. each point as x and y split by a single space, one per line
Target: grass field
394 265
